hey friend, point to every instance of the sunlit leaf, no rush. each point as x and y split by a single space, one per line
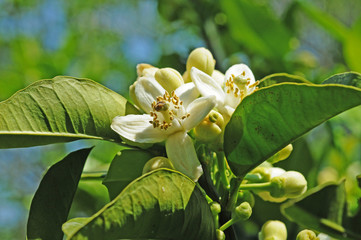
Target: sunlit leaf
163 204
59 110
275 116
51 203
124 169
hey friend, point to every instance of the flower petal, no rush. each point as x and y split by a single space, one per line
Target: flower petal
187 93
147 89
238 69
198 110
232 100
207 86
138 129
218 77
181 152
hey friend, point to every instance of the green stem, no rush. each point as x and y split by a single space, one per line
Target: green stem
233 194
227 224
209 200
216 220
222 169
256 186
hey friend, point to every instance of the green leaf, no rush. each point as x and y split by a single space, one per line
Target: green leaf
124 169
60 110
272 117
349 78
313 212
162 204
51 203
280 78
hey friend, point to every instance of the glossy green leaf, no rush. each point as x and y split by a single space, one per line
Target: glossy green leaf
60 110
124 169
275 116
280 78
313 212
163 204
51 203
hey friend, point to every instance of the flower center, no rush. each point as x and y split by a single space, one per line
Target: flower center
166 109
238 85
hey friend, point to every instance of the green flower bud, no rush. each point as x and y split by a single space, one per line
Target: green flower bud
220 235
186 77
273 230
242 212
215 208
306 235
281 155
157 162
210 128
267 173
202 59
169 78
290 184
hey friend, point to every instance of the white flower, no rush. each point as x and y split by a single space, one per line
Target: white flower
169 118
238 83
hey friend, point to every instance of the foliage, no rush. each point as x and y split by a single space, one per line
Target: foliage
296 38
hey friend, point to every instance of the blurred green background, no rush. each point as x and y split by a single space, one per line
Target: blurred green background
105 40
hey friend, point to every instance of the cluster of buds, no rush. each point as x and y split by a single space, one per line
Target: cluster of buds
275 184
201 101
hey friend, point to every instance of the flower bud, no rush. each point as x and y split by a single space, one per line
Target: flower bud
242 212
169 78
202 59
220 235
281 155
267 173
186 77
290 184
215 208
273 230
146 70
157 162
306 235
210 128
323 236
